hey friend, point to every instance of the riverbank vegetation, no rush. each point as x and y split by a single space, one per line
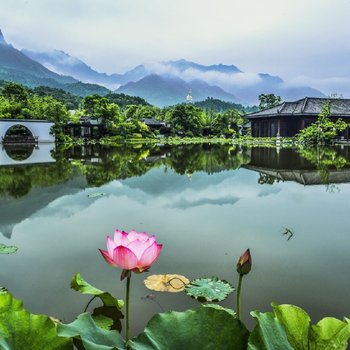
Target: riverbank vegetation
120 118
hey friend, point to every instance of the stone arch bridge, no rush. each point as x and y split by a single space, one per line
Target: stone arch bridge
40 129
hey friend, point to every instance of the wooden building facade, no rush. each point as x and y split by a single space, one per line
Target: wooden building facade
288 118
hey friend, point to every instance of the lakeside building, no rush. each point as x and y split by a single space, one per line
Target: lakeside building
288 118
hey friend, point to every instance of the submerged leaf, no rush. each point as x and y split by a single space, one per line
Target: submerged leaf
166 283
200 328
209 289
4 249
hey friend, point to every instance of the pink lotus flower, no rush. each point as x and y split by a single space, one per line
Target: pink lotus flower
131 251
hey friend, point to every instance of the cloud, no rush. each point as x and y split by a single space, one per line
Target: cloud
330 85
288 38
268 191
212 77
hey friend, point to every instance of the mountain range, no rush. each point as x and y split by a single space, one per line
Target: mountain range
16 66
160 83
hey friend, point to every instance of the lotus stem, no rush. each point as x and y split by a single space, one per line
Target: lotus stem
90 301
127 330
239 296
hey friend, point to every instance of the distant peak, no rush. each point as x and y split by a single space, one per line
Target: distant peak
2 39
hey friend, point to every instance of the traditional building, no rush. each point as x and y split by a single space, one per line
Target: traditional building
288 118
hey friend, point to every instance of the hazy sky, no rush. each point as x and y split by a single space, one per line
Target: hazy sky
300 40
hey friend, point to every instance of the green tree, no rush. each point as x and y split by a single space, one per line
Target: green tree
186 119
16 93
229 123
324 129
269 101
99 107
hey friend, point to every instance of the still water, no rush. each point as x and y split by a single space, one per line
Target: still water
205 203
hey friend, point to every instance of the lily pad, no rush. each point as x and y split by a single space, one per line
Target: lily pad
4 249
209 289
166 283
200 328
96 195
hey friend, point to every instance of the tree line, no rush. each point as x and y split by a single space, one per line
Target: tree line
119 114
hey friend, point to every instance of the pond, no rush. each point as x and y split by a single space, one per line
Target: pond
205 203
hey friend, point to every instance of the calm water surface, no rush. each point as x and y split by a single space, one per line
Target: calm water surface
206 204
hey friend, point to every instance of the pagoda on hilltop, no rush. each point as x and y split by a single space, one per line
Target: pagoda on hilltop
189 98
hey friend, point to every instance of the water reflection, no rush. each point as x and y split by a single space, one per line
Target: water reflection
100 165
307 166
205 205
25 154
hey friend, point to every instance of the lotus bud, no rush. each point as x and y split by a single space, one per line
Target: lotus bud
244 263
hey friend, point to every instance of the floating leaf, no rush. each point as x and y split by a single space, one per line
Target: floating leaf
19 329
268 334
166 283
97 194
4 249
80 285
93 337
200 328
209 289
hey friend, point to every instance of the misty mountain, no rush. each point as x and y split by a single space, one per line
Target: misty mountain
170 90
161 83
183 65
17 67
64 64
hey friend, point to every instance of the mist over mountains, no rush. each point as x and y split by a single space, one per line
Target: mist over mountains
160 83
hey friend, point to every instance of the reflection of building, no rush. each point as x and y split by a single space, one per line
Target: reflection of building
20 154
289 165
289 118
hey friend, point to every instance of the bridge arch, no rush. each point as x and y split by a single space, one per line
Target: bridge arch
39 128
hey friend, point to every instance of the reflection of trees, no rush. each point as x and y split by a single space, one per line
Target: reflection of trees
119 164
208 158
101 165
324 159
18 181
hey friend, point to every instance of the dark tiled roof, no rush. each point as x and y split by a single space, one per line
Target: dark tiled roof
305 106
151 121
